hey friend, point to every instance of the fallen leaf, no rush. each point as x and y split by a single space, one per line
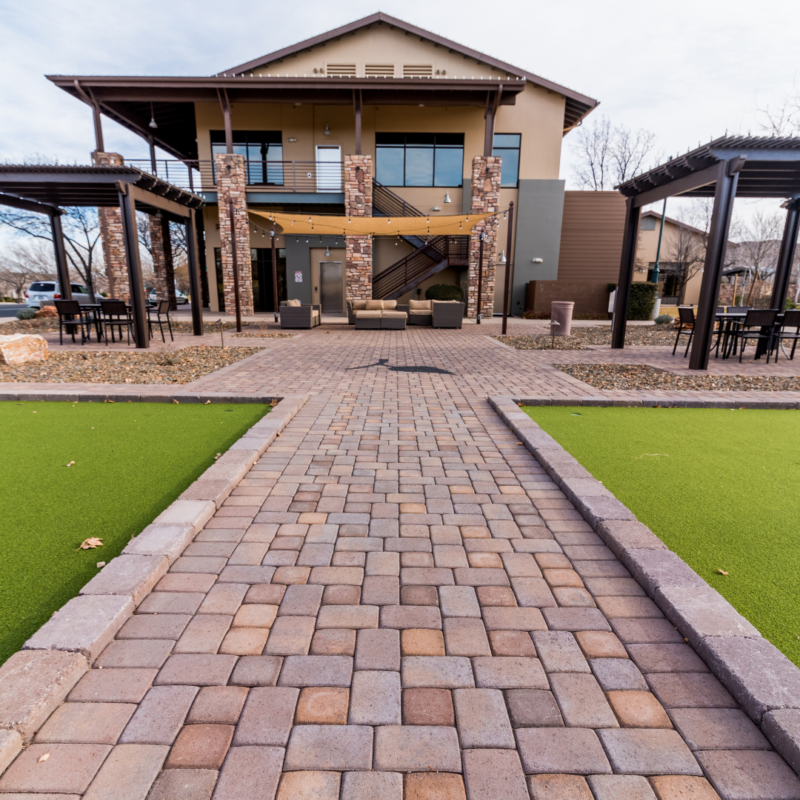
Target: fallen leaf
207 403
46 755
70 463
100 564
722 572
175 401
218 455
91 543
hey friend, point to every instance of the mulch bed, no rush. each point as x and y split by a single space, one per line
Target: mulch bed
639 376
581 338
168 366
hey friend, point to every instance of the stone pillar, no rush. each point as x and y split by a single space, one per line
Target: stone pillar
358 249
231 183
111 236
485 199
161 251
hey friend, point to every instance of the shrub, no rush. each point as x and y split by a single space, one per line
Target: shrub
444 291
26 313
790 304
642 300
663 319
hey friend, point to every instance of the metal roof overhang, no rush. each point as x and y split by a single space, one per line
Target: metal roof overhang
131 100
769 167
64 186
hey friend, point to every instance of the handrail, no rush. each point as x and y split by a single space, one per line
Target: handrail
385 203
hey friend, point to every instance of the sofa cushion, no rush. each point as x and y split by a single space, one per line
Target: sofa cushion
390 305
293 303
368 314
394 314
419 305
374 305
419 312
358 305
314 314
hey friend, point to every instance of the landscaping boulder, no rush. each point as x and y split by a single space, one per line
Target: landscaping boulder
19 348
46 311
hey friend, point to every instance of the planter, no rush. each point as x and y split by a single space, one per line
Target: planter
561 313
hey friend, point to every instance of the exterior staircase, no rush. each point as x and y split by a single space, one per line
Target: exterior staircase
431 254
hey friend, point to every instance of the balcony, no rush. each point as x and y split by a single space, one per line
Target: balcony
267 181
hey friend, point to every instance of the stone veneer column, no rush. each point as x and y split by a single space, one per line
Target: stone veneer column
231 185
161 251
485 199
358 249
113 241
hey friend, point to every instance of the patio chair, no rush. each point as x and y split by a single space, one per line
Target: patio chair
791 319
159 309
738 309
115 314
758 326
685 326
295 315
447 314
420 312
70 316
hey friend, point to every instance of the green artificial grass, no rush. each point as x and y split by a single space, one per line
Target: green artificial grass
131 461
719 487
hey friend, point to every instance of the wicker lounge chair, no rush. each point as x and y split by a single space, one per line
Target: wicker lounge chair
295 315
447 314
420 312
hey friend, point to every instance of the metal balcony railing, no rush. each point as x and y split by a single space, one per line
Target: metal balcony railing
262 176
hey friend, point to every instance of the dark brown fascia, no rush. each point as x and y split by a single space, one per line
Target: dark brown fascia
365 22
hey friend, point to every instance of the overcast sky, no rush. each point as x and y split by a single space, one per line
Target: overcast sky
687 70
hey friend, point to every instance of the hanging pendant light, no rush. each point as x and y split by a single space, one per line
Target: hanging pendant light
327 251
447 197
503 257
153 124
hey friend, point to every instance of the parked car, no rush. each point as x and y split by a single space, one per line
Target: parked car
44 291
180 298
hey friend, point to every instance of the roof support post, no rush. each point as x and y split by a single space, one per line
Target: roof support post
783 270
226 113
62 269
357 107
489 114
128 208
200 230
194 276
630 239
724 195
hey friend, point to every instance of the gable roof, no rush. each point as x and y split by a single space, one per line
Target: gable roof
577 105
675 222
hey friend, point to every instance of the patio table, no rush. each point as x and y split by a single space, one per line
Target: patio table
94 309
728 318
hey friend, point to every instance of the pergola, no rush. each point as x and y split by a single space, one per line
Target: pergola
45 189
734 166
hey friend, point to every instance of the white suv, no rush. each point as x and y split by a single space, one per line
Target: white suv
44 291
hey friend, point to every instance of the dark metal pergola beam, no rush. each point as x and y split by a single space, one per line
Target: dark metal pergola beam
783 269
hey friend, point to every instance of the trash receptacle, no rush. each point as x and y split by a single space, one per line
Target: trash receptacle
561 313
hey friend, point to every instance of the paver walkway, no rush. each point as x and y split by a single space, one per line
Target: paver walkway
397 602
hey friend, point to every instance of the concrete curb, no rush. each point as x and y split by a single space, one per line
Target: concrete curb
57 395
36 680
764 682
656 401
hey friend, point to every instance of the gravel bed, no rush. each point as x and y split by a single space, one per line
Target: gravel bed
641 376
581 338
169 366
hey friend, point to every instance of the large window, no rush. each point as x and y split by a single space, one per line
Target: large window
507 145
420 159
262 150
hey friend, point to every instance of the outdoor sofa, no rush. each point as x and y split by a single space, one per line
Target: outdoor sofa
377 315
447 314
296 315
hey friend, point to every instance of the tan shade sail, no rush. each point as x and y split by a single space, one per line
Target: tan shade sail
372 226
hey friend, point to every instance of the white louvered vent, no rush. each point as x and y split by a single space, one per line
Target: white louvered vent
341 70
417 70
379 70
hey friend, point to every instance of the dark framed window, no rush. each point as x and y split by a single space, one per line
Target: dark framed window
262 150
507 145
420 159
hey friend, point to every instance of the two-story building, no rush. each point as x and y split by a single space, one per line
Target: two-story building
376 118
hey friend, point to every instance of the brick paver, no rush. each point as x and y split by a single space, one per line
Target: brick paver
397 602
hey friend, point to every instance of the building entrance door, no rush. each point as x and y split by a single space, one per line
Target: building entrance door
329 168
261 262
331 278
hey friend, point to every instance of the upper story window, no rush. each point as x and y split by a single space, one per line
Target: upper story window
647 224
262 150
506 145
419 159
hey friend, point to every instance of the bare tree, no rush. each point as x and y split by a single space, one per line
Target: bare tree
25 263
685 256
759 248
81 238
783 119
609 155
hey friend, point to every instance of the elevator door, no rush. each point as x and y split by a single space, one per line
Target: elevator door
332 281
